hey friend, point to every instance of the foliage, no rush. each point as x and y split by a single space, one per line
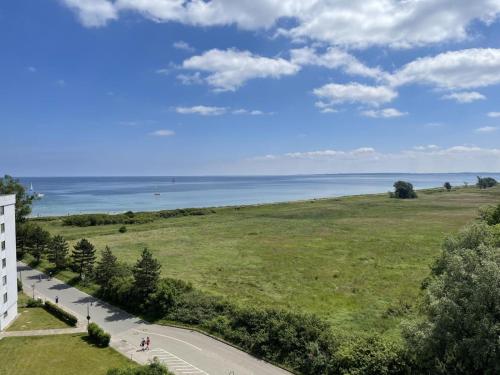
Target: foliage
57 251
486 182
60 313
38 240
490 214
447 186
404 190
19 285
153 368
32 302
83 257
10 185
98 336
122 229
129 217
460 331
107 268
146 275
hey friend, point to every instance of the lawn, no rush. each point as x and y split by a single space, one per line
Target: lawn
57 355
33 318
349 260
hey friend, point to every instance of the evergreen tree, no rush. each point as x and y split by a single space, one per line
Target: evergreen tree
106 268
83 257
146 275
38 241
58 251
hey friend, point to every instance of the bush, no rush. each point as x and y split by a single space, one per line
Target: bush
486 182
154 368
447 186
122 229
98 336
19 285
31 302
490 214
404 190
60 313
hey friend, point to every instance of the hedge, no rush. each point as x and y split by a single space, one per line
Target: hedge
61 314
98 336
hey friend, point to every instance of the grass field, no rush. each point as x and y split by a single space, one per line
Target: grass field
33 318
57 355
347 259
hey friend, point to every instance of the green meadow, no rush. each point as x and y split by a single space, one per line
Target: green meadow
356 261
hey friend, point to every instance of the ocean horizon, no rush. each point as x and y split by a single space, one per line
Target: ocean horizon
75 195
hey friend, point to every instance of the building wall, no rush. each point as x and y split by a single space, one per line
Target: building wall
8 310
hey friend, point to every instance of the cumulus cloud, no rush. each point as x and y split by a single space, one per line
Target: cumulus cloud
334 93
465 96
454 70
384 113
163 133
393 23
487 129
201 110
229 69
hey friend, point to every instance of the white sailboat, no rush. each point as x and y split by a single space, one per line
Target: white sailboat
34 193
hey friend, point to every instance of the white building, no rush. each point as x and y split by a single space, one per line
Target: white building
8 267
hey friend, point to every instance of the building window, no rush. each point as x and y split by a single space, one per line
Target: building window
5 298
1 210
2 228
4 263
4 280
3 245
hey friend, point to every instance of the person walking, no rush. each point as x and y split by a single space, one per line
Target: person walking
148 341
143 342
57 299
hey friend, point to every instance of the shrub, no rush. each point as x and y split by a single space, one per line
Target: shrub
447 186
122 229
486 182
31 302
98 336
404 190
60 313
490 214
19 285
154 368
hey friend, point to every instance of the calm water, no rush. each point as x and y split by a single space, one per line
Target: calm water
64 195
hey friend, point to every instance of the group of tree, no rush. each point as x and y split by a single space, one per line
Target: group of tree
403 190
486 182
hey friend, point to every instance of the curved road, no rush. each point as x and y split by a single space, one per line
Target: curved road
185 352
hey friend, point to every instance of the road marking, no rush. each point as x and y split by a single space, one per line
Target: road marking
177 364
169 337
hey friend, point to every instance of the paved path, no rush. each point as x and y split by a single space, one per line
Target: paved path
43 332
185 352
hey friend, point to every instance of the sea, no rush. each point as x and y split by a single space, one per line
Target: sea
74 195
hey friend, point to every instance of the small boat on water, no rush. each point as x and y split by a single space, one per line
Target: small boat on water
34 194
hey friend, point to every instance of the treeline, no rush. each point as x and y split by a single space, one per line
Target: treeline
129 217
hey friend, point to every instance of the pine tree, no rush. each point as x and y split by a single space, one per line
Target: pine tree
83 257
106 268
58 251
146 275
38 241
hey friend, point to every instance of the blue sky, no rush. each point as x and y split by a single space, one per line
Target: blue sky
173 87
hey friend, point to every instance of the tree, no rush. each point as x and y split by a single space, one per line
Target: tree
107 268
58 251
146 275
459 334
23 237
83 257
486 182
38 241
404 190
447 186
10 185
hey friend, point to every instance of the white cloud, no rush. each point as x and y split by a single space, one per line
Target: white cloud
465 96
230 69
384 113
430 158
487 129
163 133
334 58
93 13
252 112
183 46
334 93
455 70
191 79
201 110
493 114
355 23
